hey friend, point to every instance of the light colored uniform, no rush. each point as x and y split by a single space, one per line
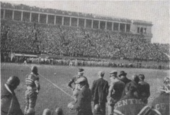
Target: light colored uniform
31 93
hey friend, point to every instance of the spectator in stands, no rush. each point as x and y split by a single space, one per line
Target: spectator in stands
161 103
100 91
144 89
46 112
9 101
123 77
59 40
115 91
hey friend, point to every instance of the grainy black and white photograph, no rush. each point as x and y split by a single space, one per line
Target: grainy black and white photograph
85 57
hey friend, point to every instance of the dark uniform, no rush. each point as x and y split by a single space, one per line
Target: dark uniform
144 89
130 105
126 80
9 102
99 93
162 103
115 93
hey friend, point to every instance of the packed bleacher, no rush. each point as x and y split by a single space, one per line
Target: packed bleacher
24 37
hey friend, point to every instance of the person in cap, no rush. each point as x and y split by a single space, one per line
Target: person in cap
83 103
144 89
73 85
9 101
115 91
46 112
130 105
32 90
123 77
58 111
162 102
100 91
136 86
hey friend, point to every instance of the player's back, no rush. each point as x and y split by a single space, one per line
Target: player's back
30 80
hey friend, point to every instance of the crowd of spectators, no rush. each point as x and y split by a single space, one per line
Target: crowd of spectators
22 37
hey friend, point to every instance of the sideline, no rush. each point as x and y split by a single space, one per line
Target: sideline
57 87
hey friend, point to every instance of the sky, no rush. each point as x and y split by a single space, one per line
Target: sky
156 11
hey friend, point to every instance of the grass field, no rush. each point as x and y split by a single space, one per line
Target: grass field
51 97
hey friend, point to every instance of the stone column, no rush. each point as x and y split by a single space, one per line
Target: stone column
4 14
62 21
12 14
38 17
85 23
30 16
70 21
54 20
106 25
47 19
21 15
77 22
92 24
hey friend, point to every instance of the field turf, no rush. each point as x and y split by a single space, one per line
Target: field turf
51 97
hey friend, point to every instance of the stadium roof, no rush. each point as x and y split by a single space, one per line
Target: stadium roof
76 14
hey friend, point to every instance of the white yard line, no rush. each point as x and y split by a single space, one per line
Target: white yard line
58 87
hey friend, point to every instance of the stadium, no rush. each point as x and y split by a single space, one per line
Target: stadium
59 42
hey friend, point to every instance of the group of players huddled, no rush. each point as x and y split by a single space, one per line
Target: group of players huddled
122 96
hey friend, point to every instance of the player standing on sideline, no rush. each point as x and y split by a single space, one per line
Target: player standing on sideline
100 91
162 102
115 91
72 83
144 89
33 87
9 102
83 103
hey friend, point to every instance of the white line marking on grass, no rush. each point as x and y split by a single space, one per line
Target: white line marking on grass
58 87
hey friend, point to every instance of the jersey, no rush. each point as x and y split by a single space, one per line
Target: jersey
133 106
162 103
30 82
